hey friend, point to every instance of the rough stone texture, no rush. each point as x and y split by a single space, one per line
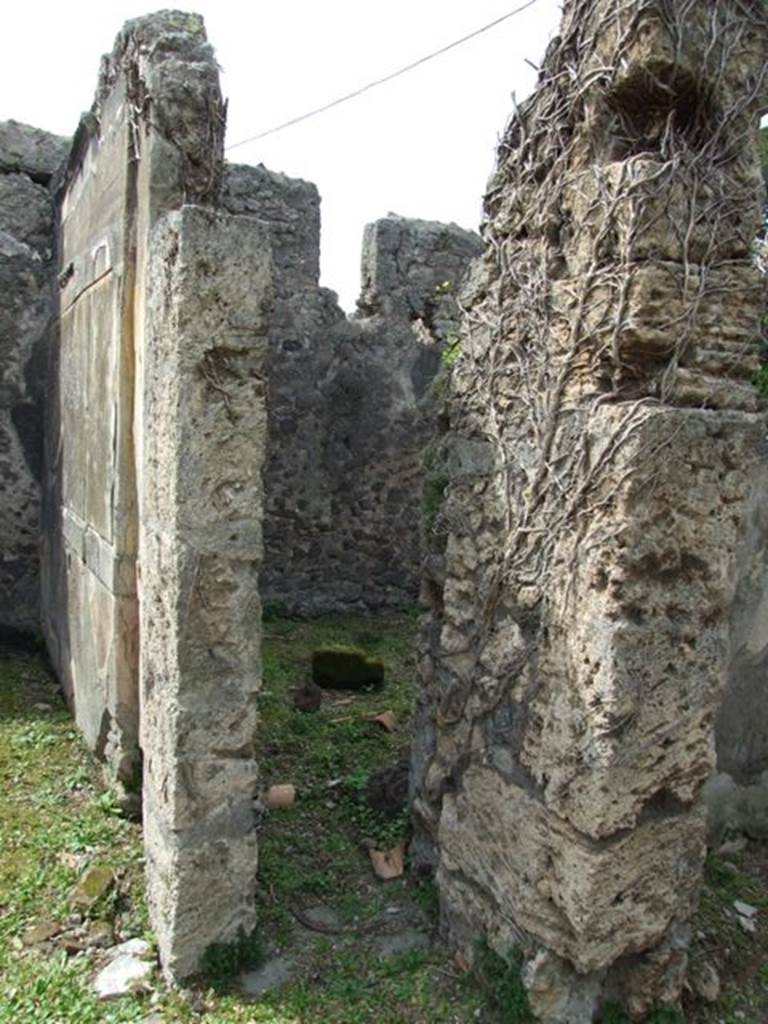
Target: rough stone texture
602 482
128 165
156 426
737 796
349 406
203 439
31 151
28 157
129 969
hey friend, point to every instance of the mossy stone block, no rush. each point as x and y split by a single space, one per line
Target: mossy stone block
339 667
94 884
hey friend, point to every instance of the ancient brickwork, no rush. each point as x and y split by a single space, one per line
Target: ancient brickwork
28 161
350 413
602 512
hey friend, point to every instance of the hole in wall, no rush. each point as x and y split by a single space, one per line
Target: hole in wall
655 110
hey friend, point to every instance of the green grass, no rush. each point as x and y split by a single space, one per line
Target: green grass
500 979
53 818
56 818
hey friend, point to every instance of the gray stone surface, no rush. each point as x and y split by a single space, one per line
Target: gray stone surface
122 975
407 265
155 430
737 795
202 389
557 994
26 213
736 807
26 309
596 569
349 407
406 941
30 151
126 168
270 975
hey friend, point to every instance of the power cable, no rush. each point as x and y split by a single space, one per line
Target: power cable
381 81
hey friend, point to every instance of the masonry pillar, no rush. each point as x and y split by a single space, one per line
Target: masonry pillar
152 140
203 443
154 452
605 461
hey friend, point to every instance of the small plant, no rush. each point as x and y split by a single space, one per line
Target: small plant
432 499
273 611
108 802
358 780
428 898
501 982
722 878
666 1015
386 831
451 352
221 961
761 380
614 1014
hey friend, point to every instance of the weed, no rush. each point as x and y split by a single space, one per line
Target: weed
432 499
614 1014
722 878
428 898
358 780
501 981
761 380
108 802
221 961
451 352
666 1015
273 611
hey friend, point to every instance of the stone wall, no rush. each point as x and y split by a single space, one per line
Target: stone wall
28 160
152 535
350 412
596 525
602 521
203 435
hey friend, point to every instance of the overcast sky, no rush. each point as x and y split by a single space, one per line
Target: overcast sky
421 146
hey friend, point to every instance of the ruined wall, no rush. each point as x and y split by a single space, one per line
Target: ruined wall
737 794
203 442
602 519
153 509
28 160
349 408
111 194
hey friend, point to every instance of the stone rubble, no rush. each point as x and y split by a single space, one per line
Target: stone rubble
130 967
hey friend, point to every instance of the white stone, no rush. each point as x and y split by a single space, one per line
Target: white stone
744 909
122 976
131 947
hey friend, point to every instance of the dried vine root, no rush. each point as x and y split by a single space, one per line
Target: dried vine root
602 453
